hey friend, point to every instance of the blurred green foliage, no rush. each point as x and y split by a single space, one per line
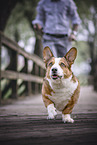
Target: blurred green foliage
83 53
19 25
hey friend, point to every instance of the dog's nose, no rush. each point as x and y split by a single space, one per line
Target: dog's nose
54 70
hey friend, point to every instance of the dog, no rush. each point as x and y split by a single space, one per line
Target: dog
60 89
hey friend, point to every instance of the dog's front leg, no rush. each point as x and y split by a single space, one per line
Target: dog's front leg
51 111
66 117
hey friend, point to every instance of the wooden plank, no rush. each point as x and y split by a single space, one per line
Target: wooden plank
14 46
26 77
40 131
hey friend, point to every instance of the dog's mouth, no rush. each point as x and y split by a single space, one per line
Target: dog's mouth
55 77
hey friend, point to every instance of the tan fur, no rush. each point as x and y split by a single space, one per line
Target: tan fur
66 69
49 67
47 88
68 108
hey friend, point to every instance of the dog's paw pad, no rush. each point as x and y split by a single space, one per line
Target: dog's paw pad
67 118
54 113
51 117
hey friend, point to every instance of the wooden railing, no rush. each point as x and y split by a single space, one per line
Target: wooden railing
14 77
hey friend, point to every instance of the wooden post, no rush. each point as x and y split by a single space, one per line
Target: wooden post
33 84
14 86
29 88
28 84
26 70
35 71
40 74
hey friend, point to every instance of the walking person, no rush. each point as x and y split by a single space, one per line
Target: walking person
54 18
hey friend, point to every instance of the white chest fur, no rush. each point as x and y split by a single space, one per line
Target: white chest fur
63 90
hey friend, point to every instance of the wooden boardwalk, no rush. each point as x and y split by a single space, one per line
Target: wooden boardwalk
24 122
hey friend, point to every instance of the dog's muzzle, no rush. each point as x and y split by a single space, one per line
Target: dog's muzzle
54 73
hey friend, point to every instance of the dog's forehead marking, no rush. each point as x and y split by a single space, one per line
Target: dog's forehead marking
57 65
57 60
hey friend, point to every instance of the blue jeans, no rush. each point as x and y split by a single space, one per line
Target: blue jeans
58 46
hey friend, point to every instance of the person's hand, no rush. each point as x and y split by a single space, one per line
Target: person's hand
37 27
72 37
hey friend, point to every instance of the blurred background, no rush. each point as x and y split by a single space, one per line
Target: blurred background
16 23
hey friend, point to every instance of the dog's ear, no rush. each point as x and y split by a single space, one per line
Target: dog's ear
71 55
47 54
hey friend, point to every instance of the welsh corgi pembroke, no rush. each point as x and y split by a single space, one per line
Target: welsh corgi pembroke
60 89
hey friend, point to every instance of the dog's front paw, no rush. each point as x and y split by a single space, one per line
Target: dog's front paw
51 111
51 116
67 118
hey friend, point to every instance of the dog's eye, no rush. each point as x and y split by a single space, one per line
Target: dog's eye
50 64
62 64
